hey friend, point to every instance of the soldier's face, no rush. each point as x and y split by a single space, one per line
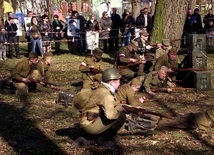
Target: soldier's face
172 56
34 61
135 88
162 74
48 60
115 84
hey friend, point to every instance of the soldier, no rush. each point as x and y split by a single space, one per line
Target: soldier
23 73
103 114
44 69
163 49
92 67
127 55
127 92
201 120
158 79
169 60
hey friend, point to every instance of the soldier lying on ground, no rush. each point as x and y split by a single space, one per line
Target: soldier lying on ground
158 79
201 120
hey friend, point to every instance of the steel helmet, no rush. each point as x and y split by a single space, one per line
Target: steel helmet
110 74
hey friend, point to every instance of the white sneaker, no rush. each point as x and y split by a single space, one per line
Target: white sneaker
1 59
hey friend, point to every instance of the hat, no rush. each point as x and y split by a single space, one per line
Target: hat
33 55
98 53
144 33
164 68
136 82
165 42
174 50
134 46
46 54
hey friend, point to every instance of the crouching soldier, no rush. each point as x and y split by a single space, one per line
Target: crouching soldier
23 73
102 115
44 68
92 68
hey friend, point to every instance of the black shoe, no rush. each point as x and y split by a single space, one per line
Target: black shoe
18 57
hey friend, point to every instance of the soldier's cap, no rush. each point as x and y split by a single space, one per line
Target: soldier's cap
135 47
48 54
144 33
136 82
98 53
165 42
164 68
174 50
33 55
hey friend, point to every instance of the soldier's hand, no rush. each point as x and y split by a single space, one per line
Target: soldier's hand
132 60
91 67
26 80
42 83
142 99
152 93
120 108
54 87
169 90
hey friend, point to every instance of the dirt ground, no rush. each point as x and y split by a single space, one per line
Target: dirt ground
36 125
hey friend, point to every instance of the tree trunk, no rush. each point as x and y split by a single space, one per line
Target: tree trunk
136 5
1 12
169 19
50 5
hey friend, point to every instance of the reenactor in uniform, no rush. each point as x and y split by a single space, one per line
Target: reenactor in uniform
23 74
158 79
92 68
169 60
127 55
102 116
127 92
163 49
201 120
44 68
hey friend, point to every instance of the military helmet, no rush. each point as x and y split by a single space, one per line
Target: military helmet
110 74
33 55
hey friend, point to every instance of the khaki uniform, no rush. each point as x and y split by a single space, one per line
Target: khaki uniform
164 61
160 51
91 80
102 105
202 121
45 71
23 70
152 81
126 93
124 56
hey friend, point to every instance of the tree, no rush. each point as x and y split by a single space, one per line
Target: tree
1 12
169 19
50 5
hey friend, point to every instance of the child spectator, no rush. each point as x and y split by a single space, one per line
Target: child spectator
3 41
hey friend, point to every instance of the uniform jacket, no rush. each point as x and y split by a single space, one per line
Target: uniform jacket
45 71
126 93
105 24
103 102
88 61
22 70
164 61
152 81
160 51
124 55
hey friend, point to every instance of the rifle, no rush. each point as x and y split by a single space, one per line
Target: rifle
132 64
47 83
133 109
190 69
176 88
171 41
94 71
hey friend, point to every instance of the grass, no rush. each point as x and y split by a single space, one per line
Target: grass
36 125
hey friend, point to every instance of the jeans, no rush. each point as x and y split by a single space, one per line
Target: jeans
39 43
126 38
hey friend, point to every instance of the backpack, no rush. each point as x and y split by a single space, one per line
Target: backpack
81 98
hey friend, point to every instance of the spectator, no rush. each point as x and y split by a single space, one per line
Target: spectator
46 33
27 36
11 28
195 21
57 29
3 41
208 18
